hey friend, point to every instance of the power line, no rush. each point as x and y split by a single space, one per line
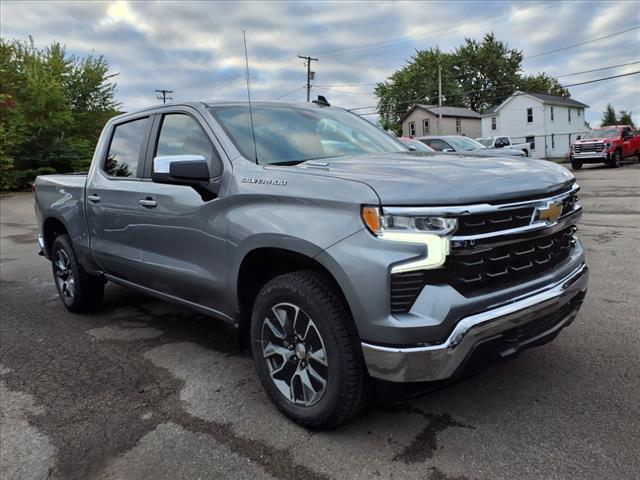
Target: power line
163 96
291 92
582 43
597 69
403 40
415 100
602 79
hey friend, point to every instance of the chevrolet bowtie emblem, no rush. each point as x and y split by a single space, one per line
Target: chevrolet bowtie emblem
551 212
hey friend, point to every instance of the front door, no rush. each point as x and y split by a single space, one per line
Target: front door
183 247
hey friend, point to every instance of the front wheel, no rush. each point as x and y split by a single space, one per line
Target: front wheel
576 164
616 159
306 350
79 291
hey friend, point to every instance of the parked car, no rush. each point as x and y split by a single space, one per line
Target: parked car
365 263
504 142
609 145
466 145
415 145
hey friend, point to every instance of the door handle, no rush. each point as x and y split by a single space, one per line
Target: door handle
148 202
93 198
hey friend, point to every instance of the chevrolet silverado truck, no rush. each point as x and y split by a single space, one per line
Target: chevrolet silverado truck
504 142
608 145
341 256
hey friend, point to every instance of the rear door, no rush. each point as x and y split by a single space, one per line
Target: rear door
183 236
112 197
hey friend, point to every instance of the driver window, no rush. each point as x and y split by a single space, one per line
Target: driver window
182 135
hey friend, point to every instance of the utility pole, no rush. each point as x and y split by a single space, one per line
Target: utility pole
164 97
439 98
310 74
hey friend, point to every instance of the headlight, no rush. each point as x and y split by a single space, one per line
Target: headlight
433 232
381 223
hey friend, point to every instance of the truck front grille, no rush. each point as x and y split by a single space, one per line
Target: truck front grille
486 270
479 223
499 266
588 147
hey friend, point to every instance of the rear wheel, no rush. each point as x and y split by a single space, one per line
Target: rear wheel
576 164
306 350
616 159
79 291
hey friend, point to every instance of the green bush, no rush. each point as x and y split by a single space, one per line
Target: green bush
52 109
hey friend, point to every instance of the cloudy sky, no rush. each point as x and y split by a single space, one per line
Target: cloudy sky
195 48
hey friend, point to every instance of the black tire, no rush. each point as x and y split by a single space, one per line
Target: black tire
616 159
576 164
526 152
79 291
322 311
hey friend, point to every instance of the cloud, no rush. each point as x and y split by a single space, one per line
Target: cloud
195 48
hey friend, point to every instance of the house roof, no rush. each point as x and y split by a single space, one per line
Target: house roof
543 97
446 111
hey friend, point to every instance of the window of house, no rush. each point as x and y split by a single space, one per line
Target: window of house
569 110
425 127
458 125
529 115
552 113
553 141
531 141
412 129
494 123
124 149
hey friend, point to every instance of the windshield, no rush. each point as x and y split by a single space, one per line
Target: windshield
487 142
464 144
602 133
292 134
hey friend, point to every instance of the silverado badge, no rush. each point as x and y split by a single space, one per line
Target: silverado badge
550 212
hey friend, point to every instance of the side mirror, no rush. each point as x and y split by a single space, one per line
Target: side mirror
579 137
449 150
411 148
188 170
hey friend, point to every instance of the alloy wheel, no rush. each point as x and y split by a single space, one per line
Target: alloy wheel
295 355
64 274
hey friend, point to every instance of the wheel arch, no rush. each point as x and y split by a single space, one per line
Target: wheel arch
52 227
260 265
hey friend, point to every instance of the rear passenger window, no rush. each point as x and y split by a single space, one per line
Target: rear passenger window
125 147
182 135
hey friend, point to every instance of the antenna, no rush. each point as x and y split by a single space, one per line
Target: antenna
253 132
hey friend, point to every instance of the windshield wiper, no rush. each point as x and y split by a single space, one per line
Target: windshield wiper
288 162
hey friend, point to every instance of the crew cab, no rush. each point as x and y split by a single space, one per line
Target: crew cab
340 256
504 142
609 145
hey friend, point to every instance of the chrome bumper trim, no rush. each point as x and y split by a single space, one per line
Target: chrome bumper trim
440 361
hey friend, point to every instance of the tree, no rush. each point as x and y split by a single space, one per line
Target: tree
625 118
477 75
609 116
52 108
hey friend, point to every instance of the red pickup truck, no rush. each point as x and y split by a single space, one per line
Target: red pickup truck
609 145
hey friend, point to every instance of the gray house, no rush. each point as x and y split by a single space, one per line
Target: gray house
423 120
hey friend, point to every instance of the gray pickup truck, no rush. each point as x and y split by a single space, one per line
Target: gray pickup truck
339 254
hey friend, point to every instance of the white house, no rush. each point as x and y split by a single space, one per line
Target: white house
548 122
425 120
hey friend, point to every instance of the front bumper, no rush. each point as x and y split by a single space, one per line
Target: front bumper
590 157
518 324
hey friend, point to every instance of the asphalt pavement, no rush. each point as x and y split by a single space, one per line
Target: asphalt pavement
146 390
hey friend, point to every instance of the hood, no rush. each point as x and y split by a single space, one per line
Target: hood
429 179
